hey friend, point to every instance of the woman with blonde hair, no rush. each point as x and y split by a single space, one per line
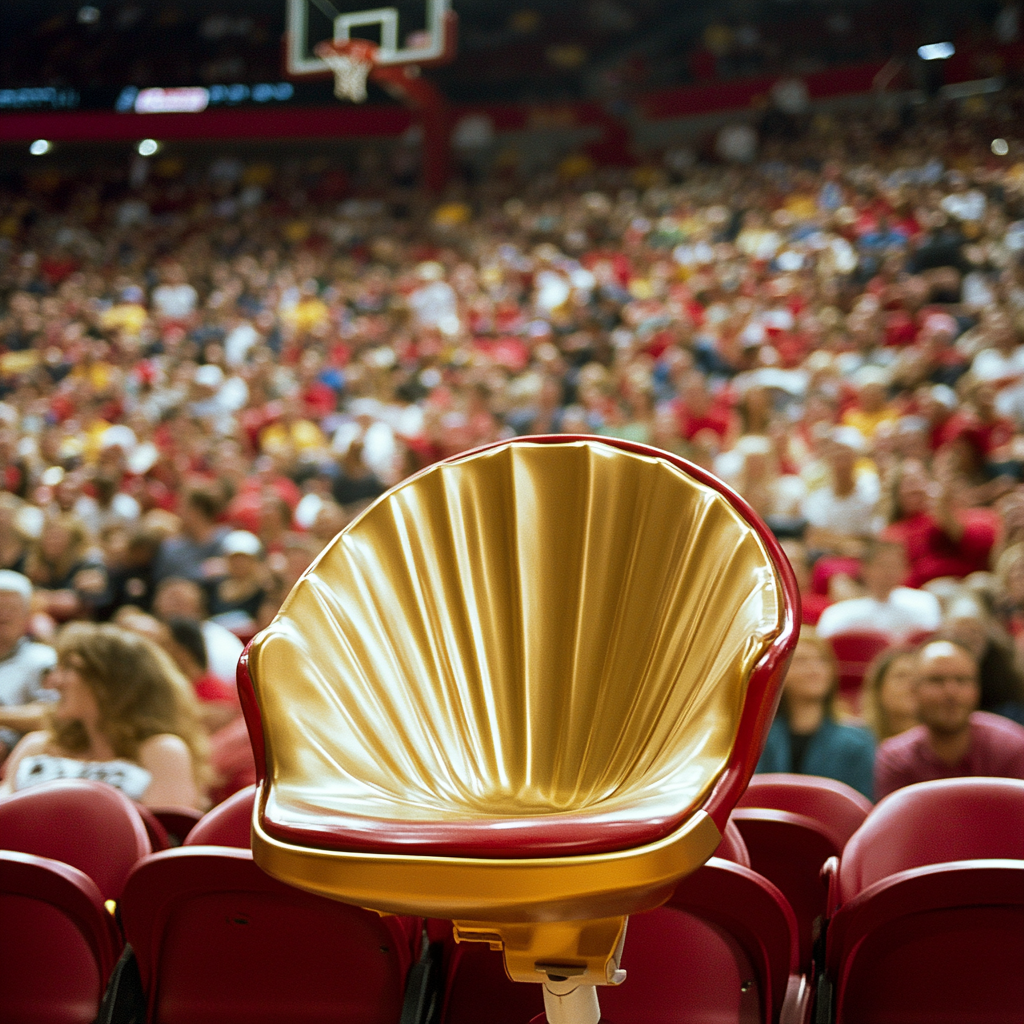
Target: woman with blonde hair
805 737
126 716
888 704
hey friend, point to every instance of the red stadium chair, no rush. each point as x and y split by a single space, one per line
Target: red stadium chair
217 941
89 825
837 807
58 944
791 825
928 908
789 850
159 839
177 822
722 949
933 823
854 652
228 824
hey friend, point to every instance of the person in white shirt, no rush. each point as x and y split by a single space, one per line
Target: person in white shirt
24 664
897 611
843 510
175 299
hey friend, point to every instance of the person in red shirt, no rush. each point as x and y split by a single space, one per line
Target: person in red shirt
940 539
954 739
697 410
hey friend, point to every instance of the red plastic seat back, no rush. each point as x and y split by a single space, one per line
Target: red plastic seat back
218 941
89 825
932 823
789 849
854 652
942 944
722 949
228 824
57 942
834 805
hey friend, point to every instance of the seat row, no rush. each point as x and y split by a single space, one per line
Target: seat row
212 938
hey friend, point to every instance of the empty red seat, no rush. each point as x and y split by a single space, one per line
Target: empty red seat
89 825
722 949
791 824
58 944
855 651
789 850
837 807
928 908
228 824
218 941
932 823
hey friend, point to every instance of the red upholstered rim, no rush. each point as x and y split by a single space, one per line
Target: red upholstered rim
561 835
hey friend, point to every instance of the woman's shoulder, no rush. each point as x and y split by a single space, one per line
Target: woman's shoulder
858 737
30 745
38 742
164 747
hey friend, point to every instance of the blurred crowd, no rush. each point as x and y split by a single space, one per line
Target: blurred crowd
206 370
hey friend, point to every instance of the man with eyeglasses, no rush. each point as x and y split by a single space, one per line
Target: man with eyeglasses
954 739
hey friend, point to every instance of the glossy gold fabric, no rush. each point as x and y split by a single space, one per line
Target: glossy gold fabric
539 630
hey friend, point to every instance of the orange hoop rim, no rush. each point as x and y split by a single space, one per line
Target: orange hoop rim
362 50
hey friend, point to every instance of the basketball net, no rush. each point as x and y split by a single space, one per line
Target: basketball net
351 60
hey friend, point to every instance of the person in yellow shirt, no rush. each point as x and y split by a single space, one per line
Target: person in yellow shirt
873 408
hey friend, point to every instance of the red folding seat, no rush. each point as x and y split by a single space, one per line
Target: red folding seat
228 824
791 825
854 652
89 825
927 906
837 807
218 941
58 944
722 949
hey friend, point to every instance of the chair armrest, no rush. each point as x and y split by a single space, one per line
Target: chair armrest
797 1003
830 879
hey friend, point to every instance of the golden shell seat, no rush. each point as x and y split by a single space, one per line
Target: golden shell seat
522 691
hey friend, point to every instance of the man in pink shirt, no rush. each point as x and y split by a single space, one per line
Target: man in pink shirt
954 739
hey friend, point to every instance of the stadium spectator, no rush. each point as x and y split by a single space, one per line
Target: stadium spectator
889 703
177 598
238 597
897 611
125 716
940 539
841 511
24 664
805 736
954 738
194 553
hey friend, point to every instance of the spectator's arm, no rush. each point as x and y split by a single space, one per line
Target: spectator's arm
24 717
168 759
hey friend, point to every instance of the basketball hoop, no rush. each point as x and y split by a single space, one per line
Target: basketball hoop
351 60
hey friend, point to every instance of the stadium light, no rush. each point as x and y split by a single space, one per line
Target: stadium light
1000 147
936 51
147 147
40 147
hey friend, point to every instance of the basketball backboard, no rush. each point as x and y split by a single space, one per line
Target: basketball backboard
411 32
